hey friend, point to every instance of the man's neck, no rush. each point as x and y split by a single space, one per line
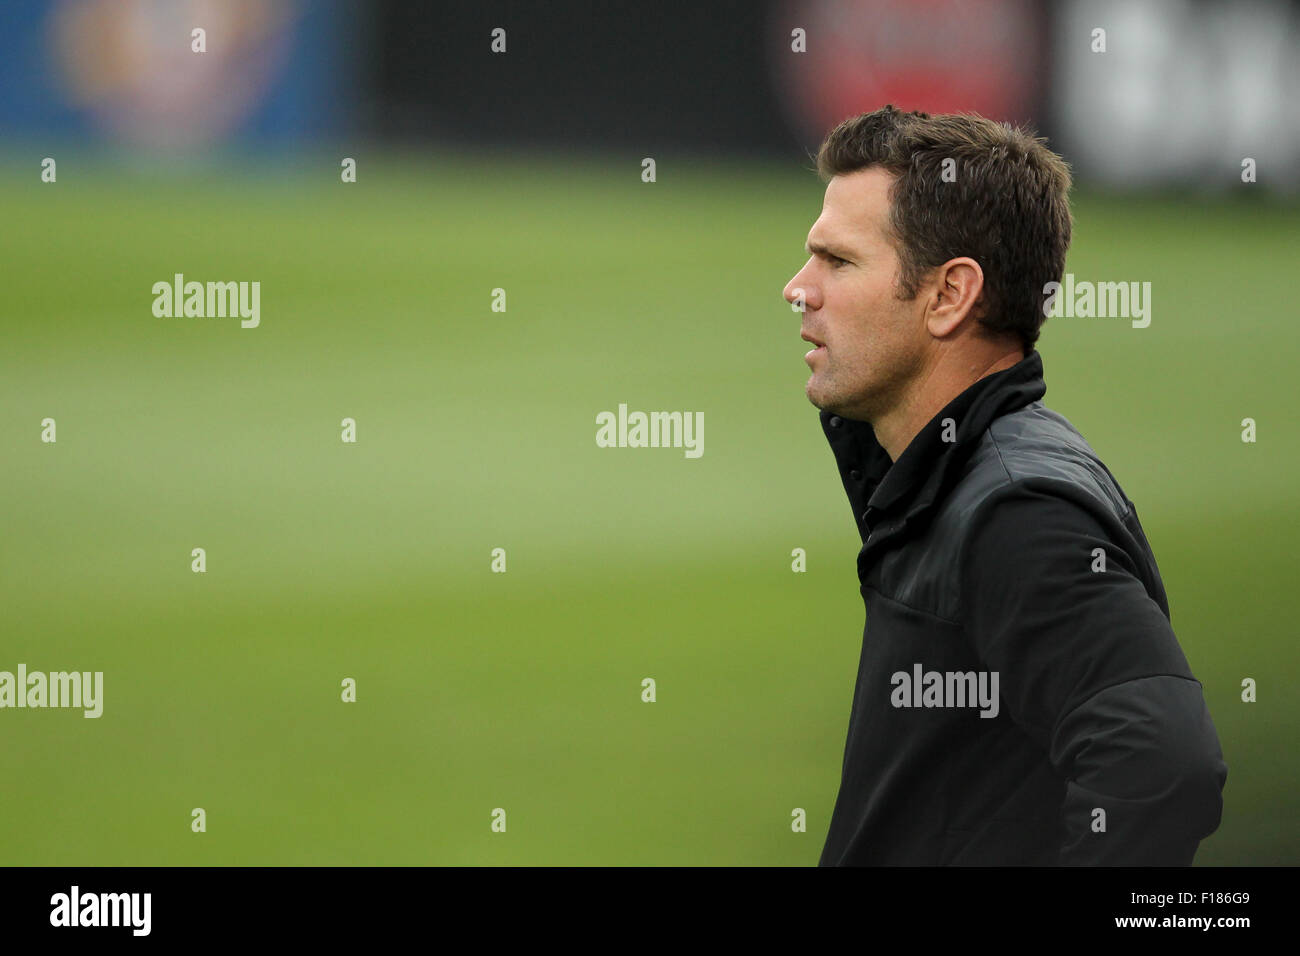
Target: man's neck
930 393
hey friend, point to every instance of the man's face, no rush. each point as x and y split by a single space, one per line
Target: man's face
871 342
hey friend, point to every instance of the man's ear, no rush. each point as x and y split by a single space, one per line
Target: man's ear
955 291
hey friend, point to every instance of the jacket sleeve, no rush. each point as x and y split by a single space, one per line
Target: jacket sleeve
1089 667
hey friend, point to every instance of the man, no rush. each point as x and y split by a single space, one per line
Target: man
1021 698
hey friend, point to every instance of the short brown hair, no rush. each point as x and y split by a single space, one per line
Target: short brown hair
1008 207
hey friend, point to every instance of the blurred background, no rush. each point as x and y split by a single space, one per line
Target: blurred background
522 170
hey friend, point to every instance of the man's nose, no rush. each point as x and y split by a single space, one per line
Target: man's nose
799 288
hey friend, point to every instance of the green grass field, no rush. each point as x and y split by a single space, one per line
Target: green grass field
476 430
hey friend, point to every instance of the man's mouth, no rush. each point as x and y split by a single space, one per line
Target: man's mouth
819 346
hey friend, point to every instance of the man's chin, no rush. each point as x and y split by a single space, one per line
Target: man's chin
834 404
818 397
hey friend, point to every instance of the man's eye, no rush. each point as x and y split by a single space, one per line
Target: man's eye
836 262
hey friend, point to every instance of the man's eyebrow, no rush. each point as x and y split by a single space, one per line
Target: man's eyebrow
826 249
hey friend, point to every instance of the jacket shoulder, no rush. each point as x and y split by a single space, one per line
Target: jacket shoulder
1036 447
1033 451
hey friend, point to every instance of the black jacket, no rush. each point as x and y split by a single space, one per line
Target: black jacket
984 555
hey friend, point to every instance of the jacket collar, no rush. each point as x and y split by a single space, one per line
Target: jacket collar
898 493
